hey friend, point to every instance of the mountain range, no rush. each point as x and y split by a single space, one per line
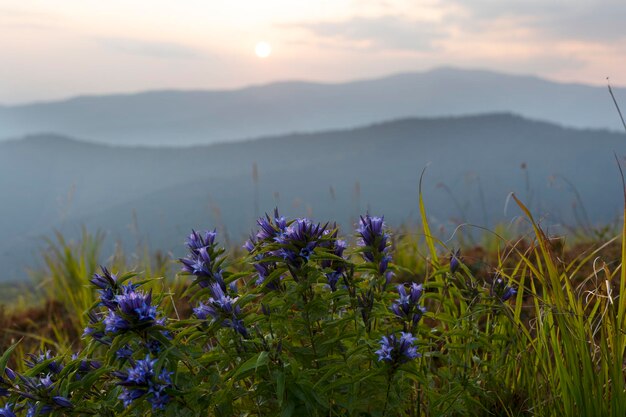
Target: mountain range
180 118
158 194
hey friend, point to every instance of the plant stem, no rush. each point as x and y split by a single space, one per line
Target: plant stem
308 326
389 378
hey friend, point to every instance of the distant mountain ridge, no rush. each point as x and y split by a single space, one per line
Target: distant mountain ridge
158 194
175 118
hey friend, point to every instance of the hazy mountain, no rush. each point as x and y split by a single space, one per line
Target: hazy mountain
205 117
159 194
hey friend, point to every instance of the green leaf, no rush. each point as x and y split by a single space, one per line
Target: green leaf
428 237
280 387
262 360
252 363
6 355
288 410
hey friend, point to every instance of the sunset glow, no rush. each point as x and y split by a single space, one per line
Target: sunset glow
56 49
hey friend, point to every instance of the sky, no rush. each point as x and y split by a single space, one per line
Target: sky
53 49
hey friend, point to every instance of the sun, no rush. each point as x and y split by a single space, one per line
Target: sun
263 49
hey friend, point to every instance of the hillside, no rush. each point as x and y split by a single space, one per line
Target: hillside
177 118
159 194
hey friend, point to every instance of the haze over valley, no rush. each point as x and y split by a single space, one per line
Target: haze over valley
156 195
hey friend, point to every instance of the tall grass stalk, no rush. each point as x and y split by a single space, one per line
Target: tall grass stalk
576 340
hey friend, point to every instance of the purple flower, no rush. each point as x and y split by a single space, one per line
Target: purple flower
303 232
108 296
6 411
455 260
154 346
270 229
386 349
62 401
40 394
397 351
113 323
267 230
96 329
124 352
137 305
104 280
384 263
406 307
374 241
299 241
203 258
333 278
34 411
264 270
508 293
222 307
110 288
203 311
10 373
196 241
44 382
129 395
85 367
54 366
140 380
134 310
502 290
158 397
371 232
279 243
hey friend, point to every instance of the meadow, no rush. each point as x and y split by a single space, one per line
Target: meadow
308 319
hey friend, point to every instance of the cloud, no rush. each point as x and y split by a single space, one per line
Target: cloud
165 50
29 19
385 32
584 21
596 23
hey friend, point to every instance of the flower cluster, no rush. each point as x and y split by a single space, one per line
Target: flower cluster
110 287
270 230
502 290
141 379
277 240
203 259
40 391
128 309
374 242
135 311
396 350
407 306
222 308
33 360
299 241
